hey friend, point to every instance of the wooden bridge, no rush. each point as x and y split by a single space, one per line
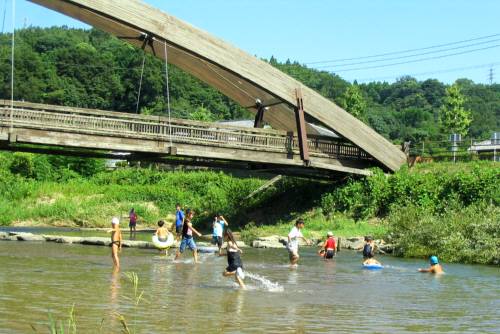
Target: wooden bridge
38 127
290 107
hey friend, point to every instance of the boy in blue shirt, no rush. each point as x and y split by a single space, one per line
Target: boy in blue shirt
218 231
179 220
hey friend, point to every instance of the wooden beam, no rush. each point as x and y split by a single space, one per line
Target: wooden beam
301 128
235 73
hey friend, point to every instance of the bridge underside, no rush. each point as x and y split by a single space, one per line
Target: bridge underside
62 130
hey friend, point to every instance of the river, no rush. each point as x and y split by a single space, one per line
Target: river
317 297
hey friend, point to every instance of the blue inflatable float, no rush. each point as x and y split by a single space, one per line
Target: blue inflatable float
373 266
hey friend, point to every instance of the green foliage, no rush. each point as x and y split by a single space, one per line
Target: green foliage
454 118
468 235
432 190
353 101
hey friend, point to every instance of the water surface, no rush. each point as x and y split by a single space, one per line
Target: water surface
318 297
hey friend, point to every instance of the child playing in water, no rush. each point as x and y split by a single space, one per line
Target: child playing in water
132 222
329 247
162 233
116 241
369 252
435 267
218 229
187 237
179 220
234 265
293 242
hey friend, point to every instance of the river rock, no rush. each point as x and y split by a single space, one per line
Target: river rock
4 236
274 241
97 241
354 243
137 244
22 236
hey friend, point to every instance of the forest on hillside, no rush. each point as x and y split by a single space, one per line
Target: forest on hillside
89 68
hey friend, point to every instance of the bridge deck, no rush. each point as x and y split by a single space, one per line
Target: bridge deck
121 132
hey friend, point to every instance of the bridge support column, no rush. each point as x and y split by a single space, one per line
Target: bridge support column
301 128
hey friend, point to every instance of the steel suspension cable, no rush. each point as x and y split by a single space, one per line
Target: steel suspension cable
140 83
168 93
13 44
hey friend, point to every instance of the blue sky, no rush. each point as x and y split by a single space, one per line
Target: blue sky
319 30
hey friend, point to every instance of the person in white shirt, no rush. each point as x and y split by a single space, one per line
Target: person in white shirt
293 242
218 229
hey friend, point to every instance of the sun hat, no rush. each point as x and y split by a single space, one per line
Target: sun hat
115 221
330 234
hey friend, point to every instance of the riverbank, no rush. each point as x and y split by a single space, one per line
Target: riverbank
449 210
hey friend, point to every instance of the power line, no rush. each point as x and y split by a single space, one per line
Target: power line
409 56
456 69
417 60
403 51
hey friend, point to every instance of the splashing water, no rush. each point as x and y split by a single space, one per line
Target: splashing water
264 282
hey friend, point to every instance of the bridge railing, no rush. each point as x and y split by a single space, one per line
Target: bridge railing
107 123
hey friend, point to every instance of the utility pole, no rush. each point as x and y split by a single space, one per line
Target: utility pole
491 75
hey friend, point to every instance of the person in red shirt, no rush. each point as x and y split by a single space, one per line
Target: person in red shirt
329 247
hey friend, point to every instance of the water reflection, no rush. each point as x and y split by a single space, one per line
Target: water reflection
114 303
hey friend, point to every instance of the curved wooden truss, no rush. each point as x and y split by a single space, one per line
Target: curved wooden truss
238 75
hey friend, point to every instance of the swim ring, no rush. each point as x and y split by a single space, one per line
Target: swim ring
163 244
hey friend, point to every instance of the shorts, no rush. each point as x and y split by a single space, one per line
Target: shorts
293 253
187 242
329 254
217 241
178 229
233 262
132 224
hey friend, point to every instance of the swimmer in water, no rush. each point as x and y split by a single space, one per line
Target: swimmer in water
369 252
435 267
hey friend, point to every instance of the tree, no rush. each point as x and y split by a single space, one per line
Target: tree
453 116
201 114
353 101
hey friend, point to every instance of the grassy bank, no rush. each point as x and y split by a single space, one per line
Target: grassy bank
90 202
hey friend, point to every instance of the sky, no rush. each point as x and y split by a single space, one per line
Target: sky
315 31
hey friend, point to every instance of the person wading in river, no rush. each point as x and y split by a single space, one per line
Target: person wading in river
132 223
187 236
218 230
116 241
435 267
328 248
179 220
293 242
234 264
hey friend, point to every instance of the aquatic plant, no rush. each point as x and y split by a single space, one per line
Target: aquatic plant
61 326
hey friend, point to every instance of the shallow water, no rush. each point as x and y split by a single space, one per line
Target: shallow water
319 296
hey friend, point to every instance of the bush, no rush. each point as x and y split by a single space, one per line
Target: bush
468 235
432 190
